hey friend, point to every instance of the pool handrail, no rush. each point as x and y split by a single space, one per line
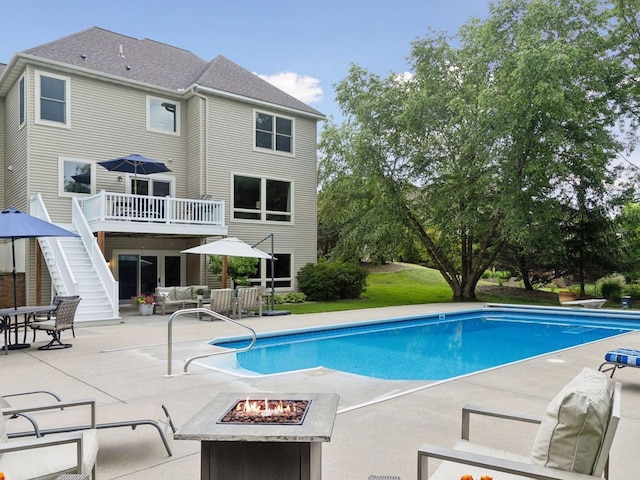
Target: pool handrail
211 313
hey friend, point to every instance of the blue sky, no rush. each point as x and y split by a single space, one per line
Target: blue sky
304 47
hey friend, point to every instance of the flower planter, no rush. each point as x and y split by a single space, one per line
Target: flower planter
566 297
146 309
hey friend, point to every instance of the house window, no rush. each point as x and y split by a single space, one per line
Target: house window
22 100
163 115
52 92
76 176
274 133
281 269
262 199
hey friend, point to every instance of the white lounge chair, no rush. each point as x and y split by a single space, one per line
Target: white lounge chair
573 440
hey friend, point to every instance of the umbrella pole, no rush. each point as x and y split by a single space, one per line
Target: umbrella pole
15 275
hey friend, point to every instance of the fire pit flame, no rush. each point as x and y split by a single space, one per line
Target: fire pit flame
275 411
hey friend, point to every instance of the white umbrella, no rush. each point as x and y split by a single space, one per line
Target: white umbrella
230 247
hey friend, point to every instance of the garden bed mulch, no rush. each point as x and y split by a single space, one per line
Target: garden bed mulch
517 292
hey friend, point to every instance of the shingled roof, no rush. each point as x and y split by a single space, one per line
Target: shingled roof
160 65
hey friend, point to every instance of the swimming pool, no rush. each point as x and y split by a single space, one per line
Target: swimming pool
431 347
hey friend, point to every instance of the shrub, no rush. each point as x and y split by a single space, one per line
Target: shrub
327 281
294 297
632 290
611 288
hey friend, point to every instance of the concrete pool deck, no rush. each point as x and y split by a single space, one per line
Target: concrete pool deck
380 424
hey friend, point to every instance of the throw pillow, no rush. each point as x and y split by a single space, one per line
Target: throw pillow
574 424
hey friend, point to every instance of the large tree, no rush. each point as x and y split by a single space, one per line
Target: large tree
484 141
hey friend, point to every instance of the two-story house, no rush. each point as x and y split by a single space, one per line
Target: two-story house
241 155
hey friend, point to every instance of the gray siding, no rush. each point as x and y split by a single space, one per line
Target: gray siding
230 151
94 135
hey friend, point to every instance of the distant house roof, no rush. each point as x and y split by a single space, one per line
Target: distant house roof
159 64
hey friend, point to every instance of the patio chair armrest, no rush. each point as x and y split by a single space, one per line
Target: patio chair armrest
467 410
33 392
54 406
538 472
60 439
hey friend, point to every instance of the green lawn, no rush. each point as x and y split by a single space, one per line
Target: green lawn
410 286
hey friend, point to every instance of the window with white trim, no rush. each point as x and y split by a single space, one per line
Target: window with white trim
262 199
273 132
52 94
76 177
163 115
21 93
281 273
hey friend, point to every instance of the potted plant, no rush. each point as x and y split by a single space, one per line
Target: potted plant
200 293
144 302
566 295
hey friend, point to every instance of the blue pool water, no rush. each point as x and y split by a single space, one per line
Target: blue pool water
433 347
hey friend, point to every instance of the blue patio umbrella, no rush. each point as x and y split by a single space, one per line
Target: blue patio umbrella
135 164
16 224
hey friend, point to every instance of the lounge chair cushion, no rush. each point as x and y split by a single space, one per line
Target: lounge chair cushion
624 356
51 461
574 424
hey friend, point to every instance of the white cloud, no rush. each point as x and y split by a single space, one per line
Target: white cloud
303 87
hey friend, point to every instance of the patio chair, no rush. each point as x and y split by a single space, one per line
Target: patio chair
57 299
572 443
44 426
50 457
620 358
64 315
249 301
222 301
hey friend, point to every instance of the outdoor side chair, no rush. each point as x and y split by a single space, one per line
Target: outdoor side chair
52 314
573 441
222 301
249 301
64 316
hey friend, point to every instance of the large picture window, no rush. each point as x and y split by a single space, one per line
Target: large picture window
282 272
274 133
163 115
52 92
262 199
76 177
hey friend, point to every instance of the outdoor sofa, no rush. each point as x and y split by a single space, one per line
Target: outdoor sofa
181 297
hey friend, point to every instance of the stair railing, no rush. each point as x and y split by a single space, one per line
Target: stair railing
58 263
100 265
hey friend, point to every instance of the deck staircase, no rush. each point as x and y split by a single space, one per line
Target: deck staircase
77 267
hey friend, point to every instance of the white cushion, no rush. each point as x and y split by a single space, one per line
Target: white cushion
49 462
574 424
166 293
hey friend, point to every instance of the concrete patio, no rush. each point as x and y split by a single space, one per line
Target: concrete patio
379 426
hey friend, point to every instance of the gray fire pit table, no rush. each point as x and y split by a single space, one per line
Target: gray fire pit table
265 451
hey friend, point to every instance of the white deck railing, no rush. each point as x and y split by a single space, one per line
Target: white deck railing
109 206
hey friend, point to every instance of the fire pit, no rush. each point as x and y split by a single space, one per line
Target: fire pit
274 412
255 437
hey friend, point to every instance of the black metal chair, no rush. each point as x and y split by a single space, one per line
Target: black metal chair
64 316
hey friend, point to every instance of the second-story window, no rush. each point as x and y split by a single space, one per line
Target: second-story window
163 115
274 133
52 92
262 199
